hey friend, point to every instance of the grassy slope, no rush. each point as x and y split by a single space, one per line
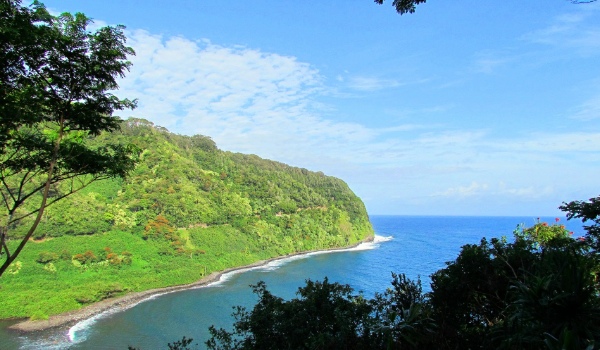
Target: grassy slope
220 210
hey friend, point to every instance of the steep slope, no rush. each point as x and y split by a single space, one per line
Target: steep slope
187 210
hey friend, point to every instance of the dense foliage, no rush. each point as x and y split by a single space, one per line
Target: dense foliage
587 212
56 83
410 6
404 6
188 209
539 291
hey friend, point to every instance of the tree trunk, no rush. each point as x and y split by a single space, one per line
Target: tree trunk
11 257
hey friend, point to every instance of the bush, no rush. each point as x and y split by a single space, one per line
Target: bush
126 258
113 259
50 267
86 258
110 291
65 255
38 315
84 299
540 291
90 257
79 258
46 257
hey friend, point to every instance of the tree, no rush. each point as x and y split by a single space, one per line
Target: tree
409 6
403 6
56 79
556 306
324 316
329 315
586 211
539 291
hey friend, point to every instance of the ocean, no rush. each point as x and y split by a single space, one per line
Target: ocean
414 245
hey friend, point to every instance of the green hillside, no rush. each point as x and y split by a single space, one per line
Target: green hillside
188 209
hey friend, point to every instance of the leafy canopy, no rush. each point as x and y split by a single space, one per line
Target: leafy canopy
409 6
403 6
56 79
539 291
586 211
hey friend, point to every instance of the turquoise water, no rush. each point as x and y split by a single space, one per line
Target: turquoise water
415 245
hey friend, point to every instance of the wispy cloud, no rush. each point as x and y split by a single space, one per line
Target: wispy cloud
570 31
363 83
488 62
263 103
501 189
588 110
247 100
555 144
474 189
566 34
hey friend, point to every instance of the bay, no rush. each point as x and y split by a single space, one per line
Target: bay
414 245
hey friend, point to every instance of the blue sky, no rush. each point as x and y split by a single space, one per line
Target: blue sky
462 108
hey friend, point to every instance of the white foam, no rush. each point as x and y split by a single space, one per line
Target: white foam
81 326
75 332
75 335
275 264
379 239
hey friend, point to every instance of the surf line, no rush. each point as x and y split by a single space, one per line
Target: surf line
215 279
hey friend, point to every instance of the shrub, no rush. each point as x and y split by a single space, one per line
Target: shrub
84 299
86 258
90 256
79 258
65 255
38 315
15 267
126 258
50 267
110 291
46 257
114 259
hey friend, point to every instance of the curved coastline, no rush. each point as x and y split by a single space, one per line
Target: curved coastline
70 318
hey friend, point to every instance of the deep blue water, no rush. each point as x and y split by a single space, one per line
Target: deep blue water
414 245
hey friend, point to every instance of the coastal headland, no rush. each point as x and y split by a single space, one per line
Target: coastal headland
69 319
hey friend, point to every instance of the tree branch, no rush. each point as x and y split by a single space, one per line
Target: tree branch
56 199
53 161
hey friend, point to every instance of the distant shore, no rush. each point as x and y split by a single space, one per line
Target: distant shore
70 318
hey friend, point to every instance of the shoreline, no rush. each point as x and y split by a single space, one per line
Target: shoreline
70 318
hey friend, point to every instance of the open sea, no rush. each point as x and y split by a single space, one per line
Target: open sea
414 245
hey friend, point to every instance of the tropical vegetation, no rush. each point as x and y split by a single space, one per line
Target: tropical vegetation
145 208
186 210
56 83
540 290
148 208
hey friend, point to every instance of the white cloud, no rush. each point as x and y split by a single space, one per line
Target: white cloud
588 110
204 82
551 144
570 31
267 104
245 99
474 189
529 192
566 35
489 62
363 83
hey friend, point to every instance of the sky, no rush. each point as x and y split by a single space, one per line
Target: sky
463 108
